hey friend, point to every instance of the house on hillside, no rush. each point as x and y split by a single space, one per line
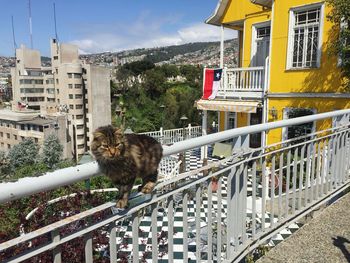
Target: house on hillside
285 69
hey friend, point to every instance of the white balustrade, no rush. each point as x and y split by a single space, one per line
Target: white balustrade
237 81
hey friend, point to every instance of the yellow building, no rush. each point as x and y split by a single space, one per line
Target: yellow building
285 67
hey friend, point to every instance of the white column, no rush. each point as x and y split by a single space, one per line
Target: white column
265 106
222 48
204 149
161 135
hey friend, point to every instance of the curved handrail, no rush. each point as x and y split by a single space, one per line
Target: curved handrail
27 186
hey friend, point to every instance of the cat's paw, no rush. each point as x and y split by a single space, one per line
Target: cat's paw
122 203
116 210
148 188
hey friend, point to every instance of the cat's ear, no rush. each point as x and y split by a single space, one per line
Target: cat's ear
118 132
97 134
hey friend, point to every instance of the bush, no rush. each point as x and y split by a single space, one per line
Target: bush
24 153
52 151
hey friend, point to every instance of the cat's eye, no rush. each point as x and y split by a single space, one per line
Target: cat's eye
118 146
104 146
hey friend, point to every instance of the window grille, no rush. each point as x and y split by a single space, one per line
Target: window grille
305 43
263 32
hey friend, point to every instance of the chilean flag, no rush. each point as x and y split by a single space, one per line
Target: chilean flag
211 82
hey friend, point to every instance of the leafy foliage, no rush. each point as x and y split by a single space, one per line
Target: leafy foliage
340 15
138 67
13 219
142 99
52 150
4 165
24 153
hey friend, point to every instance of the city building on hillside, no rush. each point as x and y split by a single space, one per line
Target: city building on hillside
285 68
81 91
16 126
5 90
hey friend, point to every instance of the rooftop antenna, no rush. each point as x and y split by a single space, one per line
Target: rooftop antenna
30 25
13 35
54 16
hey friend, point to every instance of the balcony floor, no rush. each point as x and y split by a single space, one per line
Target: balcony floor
325 238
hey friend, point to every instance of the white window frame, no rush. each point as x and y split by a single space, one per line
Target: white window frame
285 117
292 11
254 37
227 119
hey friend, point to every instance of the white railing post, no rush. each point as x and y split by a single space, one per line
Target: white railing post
204 149
56 252
222 41
225 80
161 138
266 75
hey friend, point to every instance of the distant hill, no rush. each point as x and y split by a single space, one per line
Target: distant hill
202 53
9 62
198 53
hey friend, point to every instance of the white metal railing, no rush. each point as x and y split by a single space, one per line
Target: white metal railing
238 80
254 195
175 135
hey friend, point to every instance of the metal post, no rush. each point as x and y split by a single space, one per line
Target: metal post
222 47
265 104
112 243
88 247
56 252
204 149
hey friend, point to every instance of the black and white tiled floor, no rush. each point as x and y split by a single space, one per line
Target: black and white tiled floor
124 228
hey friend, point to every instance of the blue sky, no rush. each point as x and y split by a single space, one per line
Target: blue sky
108 25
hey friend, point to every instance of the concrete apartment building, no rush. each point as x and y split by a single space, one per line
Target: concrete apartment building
17 126
80 91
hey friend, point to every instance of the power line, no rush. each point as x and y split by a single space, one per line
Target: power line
54 16
30 25
13 35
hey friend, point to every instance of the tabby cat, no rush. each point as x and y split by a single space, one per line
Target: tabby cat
124 157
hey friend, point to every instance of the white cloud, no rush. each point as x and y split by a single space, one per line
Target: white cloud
144 34
202 32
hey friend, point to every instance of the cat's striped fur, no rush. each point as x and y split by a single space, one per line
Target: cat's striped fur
124 157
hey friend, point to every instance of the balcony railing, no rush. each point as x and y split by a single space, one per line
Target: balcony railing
218 212
244 82
175 135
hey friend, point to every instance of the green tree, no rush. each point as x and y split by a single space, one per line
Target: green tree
24 153
4 165
340 16
52 150
179 100
123 75
170 70
191 73
139 67
154 81
142 100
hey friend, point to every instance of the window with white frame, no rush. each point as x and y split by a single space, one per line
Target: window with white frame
304 45
231 120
